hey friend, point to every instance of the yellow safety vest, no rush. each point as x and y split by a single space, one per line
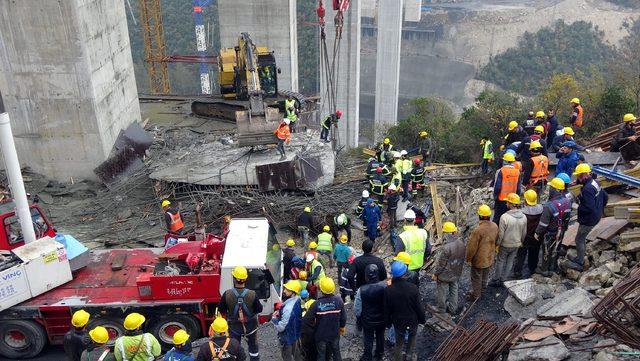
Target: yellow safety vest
414 244
406 166
324 242
315 264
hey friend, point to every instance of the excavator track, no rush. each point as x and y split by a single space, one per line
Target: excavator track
226 109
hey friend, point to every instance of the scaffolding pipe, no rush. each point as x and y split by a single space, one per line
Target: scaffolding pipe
16 184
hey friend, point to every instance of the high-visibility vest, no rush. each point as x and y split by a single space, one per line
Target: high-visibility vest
414 244
303 284
540 169
377 187
315 264
487 150
283 132
291 115
417 174
397 179
406 166
579 116
176 222
518 165
510 177
398 165
324 242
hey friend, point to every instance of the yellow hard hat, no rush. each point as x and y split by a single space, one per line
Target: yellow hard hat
180 337
484 211
313 245
344 238
293 286
219 326
133 321
327 286
509 157
513 198
165 203
302 275
275 247
569 131
513 125
387 140
99 335
326 228
240 273
449 227
539 129
629 117
307 209
535 144
423 133
582 169
80 318
557 183
575 100
291 243
403 257
531 197
483 142
540 114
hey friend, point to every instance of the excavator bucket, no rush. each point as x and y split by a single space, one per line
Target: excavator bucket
257 129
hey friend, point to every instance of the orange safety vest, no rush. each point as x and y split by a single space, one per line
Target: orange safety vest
176 222
540 169
283 132
510 177
578 122
518 165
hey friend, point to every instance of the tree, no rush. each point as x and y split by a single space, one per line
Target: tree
625 67
557 94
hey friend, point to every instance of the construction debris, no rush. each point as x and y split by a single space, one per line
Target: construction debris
572 302
483 341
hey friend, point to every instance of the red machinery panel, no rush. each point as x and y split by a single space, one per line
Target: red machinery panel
183 287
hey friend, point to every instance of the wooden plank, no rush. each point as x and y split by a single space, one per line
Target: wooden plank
444 208
369 152
569 239
437 212
607 228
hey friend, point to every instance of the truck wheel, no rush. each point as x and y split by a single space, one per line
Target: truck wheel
112 324
21 339
165 326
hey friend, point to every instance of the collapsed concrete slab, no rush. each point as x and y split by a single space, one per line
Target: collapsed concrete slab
572 302
549 349
523 290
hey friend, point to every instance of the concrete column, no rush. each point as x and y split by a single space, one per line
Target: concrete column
388 61
347 73
271 23
67 79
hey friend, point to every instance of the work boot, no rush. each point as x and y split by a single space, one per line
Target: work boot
283 157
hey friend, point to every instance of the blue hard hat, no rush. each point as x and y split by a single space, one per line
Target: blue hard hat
304 294
369 200
569 144
510 151
398 269
565 177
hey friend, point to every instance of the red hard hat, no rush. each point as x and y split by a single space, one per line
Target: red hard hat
416 161
379 170
338 113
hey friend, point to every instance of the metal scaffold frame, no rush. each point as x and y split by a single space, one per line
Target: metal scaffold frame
154 45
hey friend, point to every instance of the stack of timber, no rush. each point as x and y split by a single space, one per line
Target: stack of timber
603 140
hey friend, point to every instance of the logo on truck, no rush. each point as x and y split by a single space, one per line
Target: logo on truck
12 275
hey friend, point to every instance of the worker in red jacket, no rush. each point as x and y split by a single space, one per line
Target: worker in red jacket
283 135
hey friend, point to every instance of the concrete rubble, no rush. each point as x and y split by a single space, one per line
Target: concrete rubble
576 301
550 349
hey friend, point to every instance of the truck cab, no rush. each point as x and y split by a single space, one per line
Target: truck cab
11 233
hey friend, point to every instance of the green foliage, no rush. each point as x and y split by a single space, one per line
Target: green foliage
569 49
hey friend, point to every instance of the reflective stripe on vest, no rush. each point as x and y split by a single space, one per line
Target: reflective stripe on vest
324 241
417 175
176 222
486 153
377 187
558 207
414 245
510 177
540 169
283 132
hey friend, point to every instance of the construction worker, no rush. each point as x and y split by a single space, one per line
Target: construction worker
98 349
414 241
172 218
362 203
403 310
315 273
591 203
567 158
357 270
539 136
392 197
417 178
76 339
326 125
182 348
341 223
517 164
553 222
325 246
299 265
240 306
577 114
625 140
487 153
567 135
448 269
369 310
536 177
302 281
288 321
220 346
506 181
397 162
287 259
377 185
515 134
567 184
396 180
292 111
411 276
406 174
480 252
513 229
529 123
424 146
283 135
330 319
383 152
541 120
343 282
308 334
373 165
136 345
341 253
371 216
305 224
552 126
530 246
313 246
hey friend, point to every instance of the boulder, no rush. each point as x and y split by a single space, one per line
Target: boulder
606 256
549 349
629 246
596 278
576 301
614 266
523 290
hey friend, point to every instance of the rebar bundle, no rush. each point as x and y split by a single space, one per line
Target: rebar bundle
485 341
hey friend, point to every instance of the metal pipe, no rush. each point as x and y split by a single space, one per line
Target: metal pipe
16 184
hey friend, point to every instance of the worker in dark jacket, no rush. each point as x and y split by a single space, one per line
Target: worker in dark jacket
369 309
76 340
172 218
393 197
98 350
626 137
531 246
220 345
331 320
287 259
341 222
362 203
552 225
305 224
591 203
403 310
552 119
516 134
357 270
449 269
308 333
371 216
425 145
241 306
288 321
326 125
182 347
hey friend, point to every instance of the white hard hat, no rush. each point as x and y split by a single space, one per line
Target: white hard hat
393 187
560 132
409 214
286 121
310 257
342 218
404 152
365 194
396 154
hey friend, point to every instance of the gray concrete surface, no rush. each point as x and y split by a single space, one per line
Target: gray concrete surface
67 79
271 23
